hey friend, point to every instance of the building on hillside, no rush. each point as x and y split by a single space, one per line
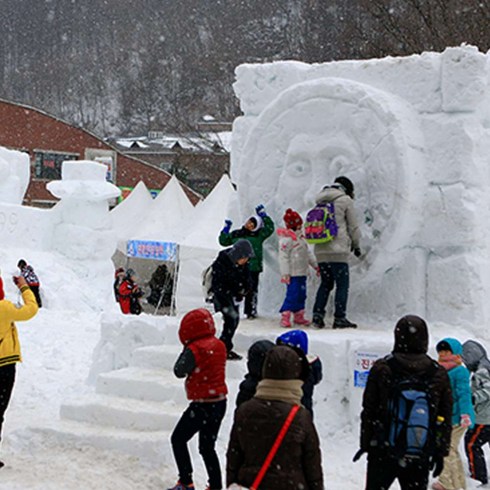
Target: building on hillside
49 141
199 159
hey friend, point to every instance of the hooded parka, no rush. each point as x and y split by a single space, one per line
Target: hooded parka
297 463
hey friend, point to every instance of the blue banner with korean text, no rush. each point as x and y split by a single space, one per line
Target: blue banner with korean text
143 249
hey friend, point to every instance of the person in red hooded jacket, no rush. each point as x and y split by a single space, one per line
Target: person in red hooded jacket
202 363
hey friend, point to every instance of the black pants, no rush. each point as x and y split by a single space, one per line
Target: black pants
35 290
474 440
382 471
231 318
7 380
250 308
205 419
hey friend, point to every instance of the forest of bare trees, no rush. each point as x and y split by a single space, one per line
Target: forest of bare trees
129 66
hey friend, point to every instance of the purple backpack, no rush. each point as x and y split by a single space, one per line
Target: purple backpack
320 224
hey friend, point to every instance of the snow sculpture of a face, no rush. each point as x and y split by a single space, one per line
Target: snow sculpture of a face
316 130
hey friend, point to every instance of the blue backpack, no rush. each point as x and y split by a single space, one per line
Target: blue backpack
411 419
320 225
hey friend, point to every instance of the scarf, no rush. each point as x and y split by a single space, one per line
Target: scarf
451 362
284 390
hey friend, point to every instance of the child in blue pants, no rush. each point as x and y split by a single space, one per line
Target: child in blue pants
294 258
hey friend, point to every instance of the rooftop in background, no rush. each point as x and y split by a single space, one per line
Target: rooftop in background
198 158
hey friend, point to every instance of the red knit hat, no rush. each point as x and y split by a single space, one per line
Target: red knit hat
292 219
2 293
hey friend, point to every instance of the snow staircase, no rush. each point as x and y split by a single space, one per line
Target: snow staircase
134 409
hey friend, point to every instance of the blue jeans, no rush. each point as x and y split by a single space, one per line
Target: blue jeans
332 274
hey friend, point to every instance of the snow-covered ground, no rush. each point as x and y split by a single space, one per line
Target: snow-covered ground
58 347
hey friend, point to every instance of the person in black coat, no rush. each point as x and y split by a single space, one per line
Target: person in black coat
410 356
255 362
230 283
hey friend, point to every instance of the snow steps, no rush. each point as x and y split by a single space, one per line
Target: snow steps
153 447
122 413
141 384
134 409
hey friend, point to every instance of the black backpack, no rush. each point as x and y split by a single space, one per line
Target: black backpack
411 418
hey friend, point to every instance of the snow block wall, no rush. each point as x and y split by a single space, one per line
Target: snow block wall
413 135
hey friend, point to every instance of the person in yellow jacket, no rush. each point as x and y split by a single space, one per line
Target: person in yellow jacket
9 340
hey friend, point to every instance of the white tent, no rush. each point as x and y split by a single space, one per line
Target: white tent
169 217
128 214
200 247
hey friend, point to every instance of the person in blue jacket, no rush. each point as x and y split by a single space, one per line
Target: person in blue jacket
298 339
450 353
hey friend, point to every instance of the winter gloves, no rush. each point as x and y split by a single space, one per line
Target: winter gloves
260 210
465 420
227 227
357 252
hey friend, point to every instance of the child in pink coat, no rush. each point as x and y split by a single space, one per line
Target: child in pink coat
294 258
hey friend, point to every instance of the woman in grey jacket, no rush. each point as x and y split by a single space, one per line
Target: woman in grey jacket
476 360
333 256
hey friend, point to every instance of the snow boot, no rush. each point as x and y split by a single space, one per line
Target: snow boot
343 323
299 318
181 486
318 322
233 356
286 319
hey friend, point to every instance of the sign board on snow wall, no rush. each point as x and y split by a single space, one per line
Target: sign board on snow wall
362 365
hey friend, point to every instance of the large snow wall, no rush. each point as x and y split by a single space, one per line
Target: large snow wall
413 135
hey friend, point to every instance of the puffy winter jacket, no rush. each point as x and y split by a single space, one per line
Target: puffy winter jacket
349 234
459 377
9 313
229 279
206 379
297 463
294 253
411 342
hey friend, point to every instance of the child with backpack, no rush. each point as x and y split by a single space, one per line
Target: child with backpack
294 258
297 339
450 353
477 362
202 363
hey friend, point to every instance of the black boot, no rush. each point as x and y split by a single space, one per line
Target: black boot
317 322
343 323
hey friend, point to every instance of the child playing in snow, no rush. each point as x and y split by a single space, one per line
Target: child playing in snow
450 351
294 257
476 360
297 339
202 363
27 272
256 230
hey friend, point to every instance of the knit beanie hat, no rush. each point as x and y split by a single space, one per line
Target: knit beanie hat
292 219
294 338
2 293
241 249
346 184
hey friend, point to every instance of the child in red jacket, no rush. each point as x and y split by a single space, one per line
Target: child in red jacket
202 363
